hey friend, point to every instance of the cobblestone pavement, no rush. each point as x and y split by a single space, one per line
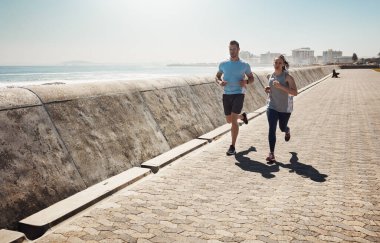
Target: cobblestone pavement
324 188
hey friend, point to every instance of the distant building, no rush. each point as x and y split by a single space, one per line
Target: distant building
303 56
330 56
343 59
245 55
319 60
254 60
268 57
249 57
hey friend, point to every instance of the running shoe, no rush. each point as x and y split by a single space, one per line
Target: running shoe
245 119
231 150
271 158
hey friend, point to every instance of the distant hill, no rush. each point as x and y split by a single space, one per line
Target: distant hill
192 65
78 63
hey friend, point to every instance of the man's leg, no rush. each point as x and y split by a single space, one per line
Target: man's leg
227 105
228 119
237 106
243 117
234 127
231 150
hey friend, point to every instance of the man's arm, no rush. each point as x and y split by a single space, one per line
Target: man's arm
218 79
218 76
243 83
250 78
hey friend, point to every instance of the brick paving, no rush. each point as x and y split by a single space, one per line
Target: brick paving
325 186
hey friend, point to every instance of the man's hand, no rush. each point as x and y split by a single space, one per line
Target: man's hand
222 83
267 89
243 83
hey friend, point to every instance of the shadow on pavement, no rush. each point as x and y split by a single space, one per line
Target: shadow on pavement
304 170
247 164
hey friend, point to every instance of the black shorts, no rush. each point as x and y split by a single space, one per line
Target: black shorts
233 103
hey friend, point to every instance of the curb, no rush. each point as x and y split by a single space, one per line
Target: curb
313 84
37 224
166 158
11 236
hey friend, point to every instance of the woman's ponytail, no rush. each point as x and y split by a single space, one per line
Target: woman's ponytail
286 64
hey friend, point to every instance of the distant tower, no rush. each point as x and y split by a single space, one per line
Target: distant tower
303 56
330 56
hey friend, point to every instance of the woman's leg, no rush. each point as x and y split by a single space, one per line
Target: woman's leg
272 116
283 121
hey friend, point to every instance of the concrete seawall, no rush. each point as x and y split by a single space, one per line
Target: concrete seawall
57 140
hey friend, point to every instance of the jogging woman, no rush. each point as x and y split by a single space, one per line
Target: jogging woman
281 90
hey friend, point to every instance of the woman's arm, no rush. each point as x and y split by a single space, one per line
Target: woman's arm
292 90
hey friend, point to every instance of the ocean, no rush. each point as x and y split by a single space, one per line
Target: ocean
27 75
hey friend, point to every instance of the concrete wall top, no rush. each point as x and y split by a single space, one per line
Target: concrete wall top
20 97
64 92
17 97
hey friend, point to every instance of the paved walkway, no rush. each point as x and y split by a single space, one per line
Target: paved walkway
325 187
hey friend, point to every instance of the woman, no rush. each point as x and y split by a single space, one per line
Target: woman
281 90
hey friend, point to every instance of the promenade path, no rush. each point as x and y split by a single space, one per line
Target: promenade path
324 188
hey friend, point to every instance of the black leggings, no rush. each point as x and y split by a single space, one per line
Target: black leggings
273 117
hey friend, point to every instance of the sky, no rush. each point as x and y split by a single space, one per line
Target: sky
50 32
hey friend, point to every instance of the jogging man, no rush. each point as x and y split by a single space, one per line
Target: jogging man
234 71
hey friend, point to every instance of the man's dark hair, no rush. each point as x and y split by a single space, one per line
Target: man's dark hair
234 42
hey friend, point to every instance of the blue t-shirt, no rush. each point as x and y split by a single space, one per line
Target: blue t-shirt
233 73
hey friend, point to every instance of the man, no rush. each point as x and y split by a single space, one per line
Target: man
234 71
335 74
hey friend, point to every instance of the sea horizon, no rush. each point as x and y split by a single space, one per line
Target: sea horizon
50 74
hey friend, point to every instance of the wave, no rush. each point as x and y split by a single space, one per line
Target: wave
64 74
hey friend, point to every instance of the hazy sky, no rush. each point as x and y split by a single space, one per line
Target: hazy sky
37 32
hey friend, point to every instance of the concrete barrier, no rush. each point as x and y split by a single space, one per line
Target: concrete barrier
37 224
9 236
35 168
57 140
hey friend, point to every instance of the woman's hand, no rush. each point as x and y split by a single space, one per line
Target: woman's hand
267 89
277 84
